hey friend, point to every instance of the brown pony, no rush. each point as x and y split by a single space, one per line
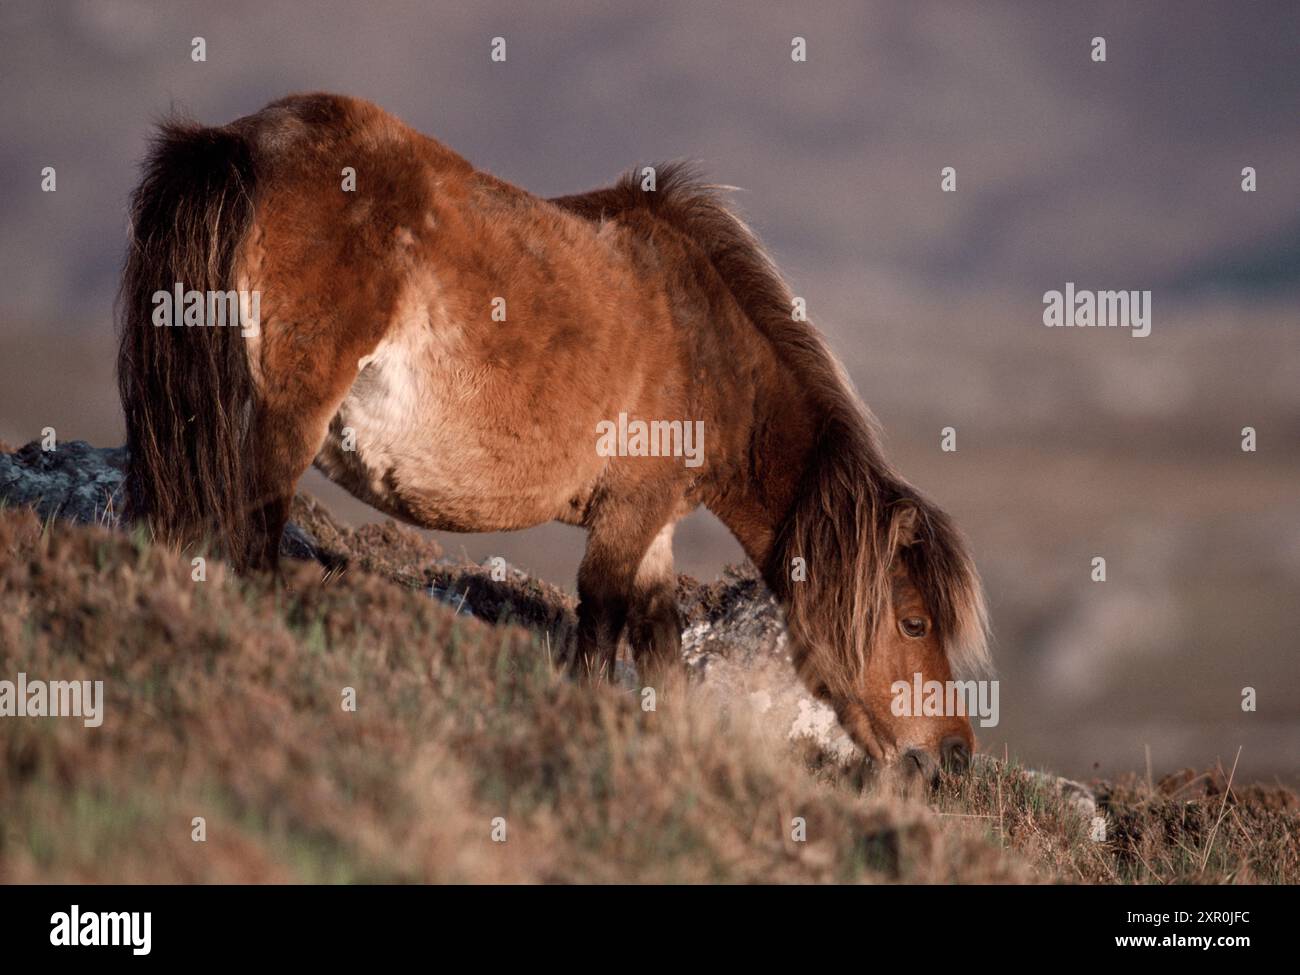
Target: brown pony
465 356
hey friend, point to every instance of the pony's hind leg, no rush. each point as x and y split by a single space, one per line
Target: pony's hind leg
285 442
290 426
655 625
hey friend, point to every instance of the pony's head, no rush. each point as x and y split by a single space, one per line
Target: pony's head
889 614
899 709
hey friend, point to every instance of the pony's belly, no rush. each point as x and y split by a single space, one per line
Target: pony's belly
418 445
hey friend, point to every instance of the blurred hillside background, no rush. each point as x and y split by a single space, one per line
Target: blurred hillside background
1071 443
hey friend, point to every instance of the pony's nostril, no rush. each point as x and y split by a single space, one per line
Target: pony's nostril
956 754
922 765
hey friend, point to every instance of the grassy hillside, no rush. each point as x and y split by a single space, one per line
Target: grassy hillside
224 701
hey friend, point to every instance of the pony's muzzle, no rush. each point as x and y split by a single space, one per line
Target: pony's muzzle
921 767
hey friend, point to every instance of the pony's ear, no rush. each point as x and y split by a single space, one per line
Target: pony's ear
903 525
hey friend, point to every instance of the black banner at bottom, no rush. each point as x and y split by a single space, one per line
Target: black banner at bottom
142 925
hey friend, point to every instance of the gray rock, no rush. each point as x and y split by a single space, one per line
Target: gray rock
77 482
744 656
1075 793
74 481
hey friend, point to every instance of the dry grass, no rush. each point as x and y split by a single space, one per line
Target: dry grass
224 701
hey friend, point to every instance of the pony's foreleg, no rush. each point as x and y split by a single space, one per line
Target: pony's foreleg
617 544
655 625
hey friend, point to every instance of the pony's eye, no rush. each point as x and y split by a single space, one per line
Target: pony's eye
914 626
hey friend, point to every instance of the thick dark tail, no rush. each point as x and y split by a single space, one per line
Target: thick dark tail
187 392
